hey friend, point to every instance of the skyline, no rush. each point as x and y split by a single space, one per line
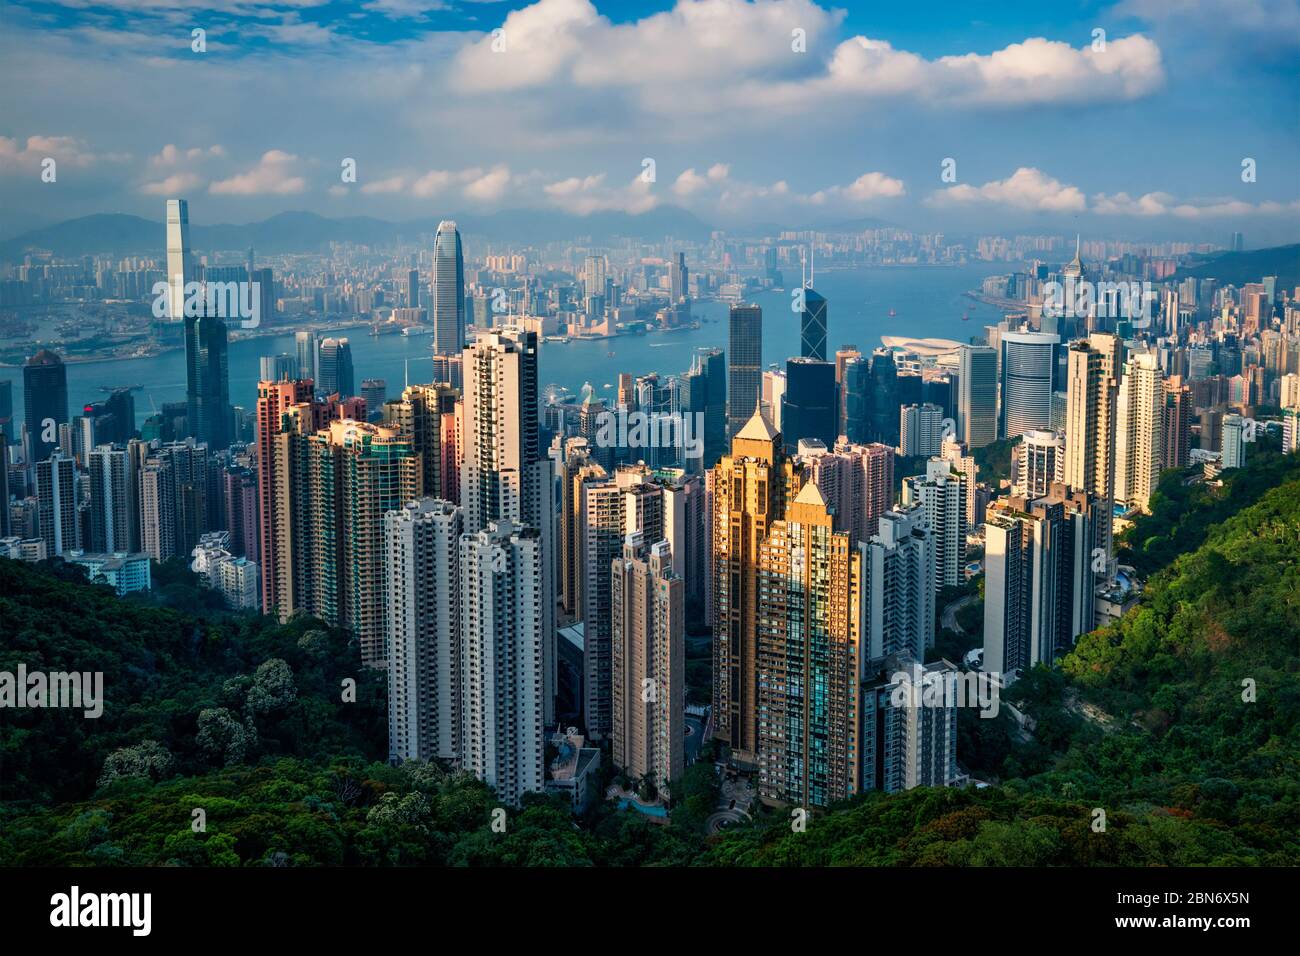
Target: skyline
1046 130
585 435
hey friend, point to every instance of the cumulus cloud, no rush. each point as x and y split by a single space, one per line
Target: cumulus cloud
584 195
1034 71
865 188
715 55
172 155
1165 204
67 150
1027 189
173 184
273 175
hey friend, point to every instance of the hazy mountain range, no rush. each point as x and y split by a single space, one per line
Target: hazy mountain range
122 234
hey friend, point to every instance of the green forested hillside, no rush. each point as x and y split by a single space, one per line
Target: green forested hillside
1181 723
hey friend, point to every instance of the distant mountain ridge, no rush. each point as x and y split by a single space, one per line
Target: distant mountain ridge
124 234
1238 268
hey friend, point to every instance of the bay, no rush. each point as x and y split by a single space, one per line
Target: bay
928 301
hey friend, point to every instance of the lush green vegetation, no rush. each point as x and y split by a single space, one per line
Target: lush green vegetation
994 461
1184 508
1181 723
182 694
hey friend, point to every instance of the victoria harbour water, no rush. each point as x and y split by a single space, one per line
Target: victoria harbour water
927 301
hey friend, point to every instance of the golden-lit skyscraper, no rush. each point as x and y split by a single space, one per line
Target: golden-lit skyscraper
750 489
1139 431
808 657
427 415
1092 388
648 600
335 486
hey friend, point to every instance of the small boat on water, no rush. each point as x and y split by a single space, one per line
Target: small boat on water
892 313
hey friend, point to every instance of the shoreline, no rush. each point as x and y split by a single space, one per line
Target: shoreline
165 349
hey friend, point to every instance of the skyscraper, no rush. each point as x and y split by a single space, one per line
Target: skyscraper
648 603
1039 588
882 389
504 631
448 291
624 504
898 586
274 399
158 518
114 500
857 482
504 475
1139 431
45 401
977 389
745 365
1028 377
811 402
1232 443
577 469
808 657
56 492
750 489
913 745
207 382
361 473
180 259
422 577
941 493
1177 423
427 415
812 326
1092 389
335 368
920 430
308 355
678 274
278 368
857 399
374 391
705 397
1037 463
413 289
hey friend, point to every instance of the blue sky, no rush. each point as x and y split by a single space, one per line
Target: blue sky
746 120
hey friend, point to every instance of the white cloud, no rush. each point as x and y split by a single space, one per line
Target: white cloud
404 9
712 56
1026 189
393 184
490 186
66 150
865 188
584 195
1165 204
1034 71
173 185
171 155
272 175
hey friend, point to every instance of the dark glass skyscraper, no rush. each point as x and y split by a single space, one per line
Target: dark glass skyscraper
705 393
811 402
745 369
45 398
883 416
857 400
336 374
6 412
448 291
207 381
812 336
